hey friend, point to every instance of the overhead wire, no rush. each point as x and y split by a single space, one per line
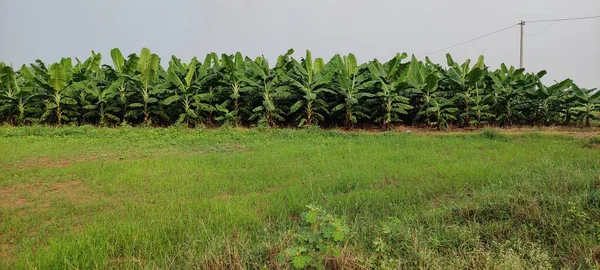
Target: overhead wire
565 19
509 27
474 39
531 35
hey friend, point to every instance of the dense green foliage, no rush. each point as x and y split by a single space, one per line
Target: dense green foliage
178 198
232 89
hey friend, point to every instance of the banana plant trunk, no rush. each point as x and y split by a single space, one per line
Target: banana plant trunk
102 114
236 106
348 117
388 115
146 113
309 113
269 119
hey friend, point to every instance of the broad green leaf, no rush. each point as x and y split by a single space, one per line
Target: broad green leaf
171 99
8 80
68 100
131 65
300 262
296 106
449 60
190 73
148 66
311 217
95 61
240 64
116 84
480 64
118 60
351 64
454 76
145 60
58 77
308 65
175 80
177 65
318 65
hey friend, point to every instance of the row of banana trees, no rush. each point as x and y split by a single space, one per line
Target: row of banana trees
238 90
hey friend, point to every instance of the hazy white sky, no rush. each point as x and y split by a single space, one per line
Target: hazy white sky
48 30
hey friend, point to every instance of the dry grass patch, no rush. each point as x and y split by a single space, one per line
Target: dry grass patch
59 162
35 205
41 194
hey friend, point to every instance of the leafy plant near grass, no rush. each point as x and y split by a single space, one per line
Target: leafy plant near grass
233 89
318 236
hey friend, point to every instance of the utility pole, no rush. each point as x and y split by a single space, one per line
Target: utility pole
522 24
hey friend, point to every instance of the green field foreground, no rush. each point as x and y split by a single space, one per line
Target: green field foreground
175 198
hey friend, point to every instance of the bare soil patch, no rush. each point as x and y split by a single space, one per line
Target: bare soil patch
24 201
59 162
41 194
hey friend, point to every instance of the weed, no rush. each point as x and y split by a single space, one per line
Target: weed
318 236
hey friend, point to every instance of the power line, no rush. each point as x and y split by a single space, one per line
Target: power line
542 30
509 27
474 39
565 19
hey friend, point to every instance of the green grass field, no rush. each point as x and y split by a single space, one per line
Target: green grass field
85 197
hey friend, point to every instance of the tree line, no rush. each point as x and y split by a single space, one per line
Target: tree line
237 90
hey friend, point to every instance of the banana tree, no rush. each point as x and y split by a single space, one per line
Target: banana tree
589 108
105 104
440 112
235 73
19 102
60 90
548 101
90 72
209 85
309 81
464 80
502 80
507 88
480 109
146 80
391 85
225 115
184 90
424 84
9 87
353 81
265 88
126 69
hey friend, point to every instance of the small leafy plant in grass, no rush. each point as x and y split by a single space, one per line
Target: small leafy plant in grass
319 235
381 258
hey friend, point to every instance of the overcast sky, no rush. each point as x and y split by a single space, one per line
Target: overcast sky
48 30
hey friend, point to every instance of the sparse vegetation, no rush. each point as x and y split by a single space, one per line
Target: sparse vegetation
179 198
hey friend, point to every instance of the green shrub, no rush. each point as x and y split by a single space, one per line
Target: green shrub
319 236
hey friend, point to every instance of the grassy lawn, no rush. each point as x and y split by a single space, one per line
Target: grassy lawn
84 197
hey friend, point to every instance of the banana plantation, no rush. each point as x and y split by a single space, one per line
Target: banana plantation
238 90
